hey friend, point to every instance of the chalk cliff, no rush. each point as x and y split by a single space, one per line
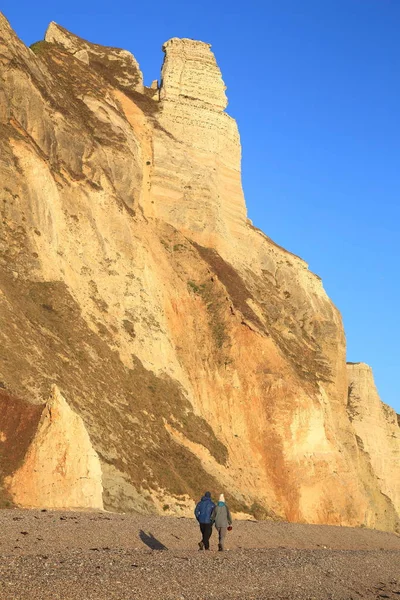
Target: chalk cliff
197 353
377 430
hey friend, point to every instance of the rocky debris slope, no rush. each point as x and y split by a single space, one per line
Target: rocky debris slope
198 353
95 556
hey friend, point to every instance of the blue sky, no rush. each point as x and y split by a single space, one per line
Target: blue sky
314 86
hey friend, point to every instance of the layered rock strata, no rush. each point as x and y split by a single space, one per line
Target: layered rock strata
196 183
198 353
377 430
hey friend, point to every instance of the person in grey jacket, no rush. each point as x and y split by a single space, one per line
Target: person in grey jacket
222 519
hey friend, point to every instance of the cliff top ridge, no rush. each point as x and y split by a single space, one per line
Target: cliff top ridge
120 65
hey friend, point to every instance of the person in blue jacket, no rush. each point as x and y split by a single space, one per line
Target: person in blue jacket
202 512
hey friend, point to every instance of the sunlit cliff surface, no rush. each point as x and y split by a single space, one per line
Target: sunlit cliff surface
188 350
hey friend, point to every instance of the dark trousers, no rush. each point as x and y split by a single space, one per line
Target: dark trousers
206 531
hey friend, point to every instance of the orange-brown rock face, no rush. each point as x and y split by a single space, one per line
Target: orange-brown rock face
60 468
18 424
198 353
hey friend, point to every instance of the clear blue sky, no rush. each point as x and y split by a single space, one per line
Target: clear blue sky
315 88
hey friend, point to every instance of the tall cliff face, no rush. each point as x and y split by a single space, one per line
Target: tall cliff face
198 353
377 430
196 184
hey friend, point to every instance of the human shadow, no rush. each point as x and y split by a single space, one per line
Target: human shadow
151 541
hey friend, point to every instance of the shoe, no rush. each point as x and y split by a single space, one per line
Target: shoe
201 546
220 548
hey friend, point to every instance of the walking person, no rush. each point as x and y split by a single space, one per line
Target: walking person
202 513
221 516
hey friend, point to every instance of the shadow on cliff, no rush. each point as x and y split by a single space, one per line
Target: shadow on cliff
151 541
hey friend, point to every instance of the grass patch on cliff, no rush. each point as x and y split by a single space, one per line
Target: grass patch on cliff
39 48
301 347
263 513
234 284
216 305
200 432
